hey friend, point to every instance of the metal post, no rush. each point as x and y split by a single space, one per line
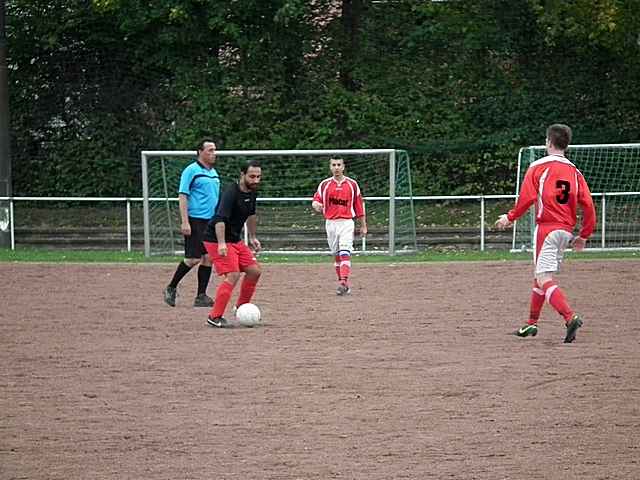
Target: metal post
5 153
12 230
128 225
145 206
482 224
604 220
392 203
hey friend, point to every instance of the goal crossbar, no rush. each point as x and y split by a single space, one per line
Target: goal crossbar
272 153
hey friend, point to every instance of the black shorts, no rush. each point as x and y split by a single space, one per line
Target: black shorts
193 246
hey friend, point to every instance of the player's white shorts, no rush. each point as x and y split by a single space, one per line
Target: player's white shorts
551 253
340 234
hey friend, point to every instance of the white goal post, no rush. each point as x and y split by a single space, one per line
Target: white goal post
613 174
286 222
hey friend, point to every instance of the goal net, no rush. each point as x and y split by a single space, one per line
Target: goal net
286 221
613 174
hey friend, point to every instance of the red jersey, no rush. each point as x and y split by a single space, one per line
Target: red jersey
557 187
340 199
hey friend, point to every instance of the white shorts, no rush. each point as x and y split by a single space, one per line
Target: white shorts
340 234
551 253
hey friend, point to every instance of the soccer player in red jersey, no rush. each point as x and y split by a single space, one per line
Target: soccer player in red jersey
557 187
339 199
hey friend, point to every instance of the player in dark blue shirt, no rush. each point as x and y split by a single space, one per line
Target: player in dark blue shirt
223 240
198 197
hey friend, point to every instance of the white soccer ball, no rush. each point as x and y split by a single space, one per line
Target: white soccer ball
248 315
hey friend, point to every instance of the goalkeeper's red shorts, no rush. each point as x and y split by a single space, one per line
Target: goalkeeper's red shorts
238 258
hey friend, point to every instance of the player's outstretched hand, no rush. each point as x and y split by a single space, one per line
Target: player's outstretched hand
503 222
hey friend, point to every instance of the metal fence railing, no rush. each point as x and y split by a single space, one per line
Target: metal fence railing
476 216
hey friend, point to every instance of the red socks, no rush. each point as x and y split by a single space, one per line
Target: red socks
345 267
247 289
557 300
223 294
537 302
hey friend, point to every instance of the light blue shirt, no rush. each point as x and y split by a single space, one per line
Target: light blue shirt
201 185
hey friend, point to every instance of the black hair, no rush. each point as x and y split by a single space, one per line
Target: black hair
249 163
559 135
202 142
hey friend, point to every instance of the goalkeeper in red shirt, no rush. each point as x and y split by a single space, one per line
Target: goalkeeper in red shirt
339 199
557 187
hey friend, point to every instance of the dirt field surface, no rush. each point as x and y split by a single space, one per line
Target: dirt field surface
414 376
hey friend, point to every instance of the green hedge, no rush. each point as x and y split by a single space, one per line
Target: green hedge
461 86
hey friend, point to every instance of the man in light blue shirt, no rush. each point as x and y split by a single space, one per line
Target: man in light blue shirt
198 198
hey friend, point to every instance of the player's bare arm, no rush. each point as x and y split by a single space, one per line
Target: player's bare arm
185 227
222 244
317 206
252 227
